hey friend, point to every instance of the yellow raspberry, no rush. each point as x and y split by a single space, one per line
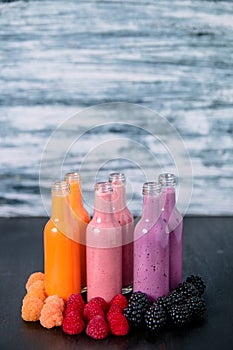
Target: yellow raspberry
51 313
36 276
56 300
31 308
37 289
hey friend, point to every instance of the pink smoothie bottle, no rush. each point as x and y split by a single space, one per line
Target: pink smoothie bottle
126 221
103 247
174 222
151 246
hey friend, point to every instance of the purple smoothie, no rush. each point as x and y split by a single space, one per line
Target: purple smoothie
174 226
151 248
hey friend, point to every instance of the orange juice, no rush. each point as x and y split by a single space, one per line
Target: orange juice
61 251
80 218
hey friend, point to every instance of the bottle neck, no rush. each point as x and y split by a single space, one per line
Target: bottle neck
74 180
61 213
76 202
168 199
103 205
118 197
151 207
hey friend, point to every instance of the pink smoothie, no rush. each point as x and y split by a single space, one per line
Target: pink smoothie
104 249
174 222
103 279
151 251
126 221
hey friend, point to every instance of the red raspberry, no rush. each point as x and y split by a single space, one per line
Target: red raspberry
91 310
75 303
97 328
118 324
119 300
73 323
114 309
101 302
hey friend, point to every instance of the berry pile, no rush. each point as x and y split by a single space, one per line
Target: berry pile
97 318
181 307
102 318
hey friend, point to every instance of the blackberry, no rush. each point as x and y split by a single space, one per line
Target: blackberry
133 316
180 315
187 290
198 282
175 298
137 307
196 307
155 317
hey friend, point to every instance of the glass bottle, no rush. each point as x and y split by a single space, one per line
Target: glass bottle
104 247
61 251
80 219
151 246
174 223
126 221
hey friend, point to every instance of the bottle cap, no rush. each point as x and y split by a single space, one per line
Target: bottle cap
167 179
70 177
61 188
103 187
151 188
117 177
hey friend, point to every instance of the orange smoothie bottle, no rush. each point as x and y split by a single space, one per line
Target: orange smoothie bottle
80 219
61 251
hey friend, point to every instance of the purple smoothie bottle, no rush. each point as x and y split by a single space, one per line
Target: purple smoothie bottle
174 223
126 221
151 246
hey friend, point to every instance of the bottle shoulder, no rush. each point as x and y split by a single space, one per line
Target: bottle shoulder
50 227
124 217
49 224
83 215
104 222
151 233
86 216
103 234
175 223
147 224
176 212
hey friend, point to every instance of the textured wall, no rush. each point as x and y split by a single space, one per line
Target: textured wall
58 57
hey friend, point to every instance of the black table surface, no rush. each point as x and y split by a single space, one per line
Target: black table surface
208 243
